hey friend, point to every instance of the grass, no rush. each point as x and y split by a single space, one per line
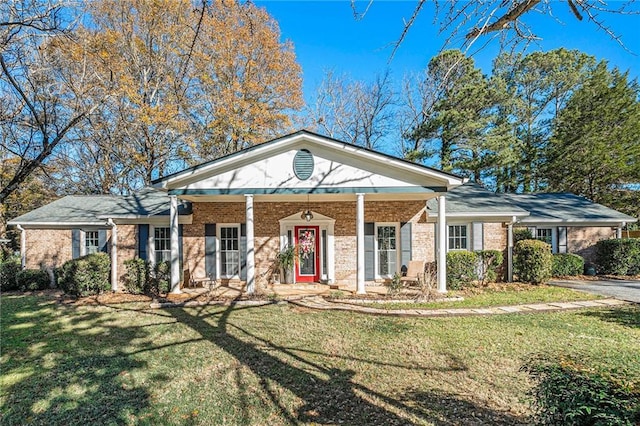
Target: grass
502 296
277 364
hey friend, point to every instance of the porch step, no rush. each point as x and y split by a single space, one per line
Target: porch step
300 286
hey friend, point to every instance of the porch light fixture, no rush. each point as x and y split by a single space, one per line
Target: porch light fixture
307 215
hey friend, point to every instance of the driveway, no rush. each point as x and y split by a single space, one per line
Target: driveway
620 289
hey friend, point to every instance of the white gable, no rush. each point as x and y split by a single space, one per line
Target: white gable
278 172
337 168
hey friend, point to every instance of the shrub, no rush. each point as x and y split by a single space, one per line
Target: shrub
462 269
9 269
520 234
568 393
161 280
490 265
136 279
33 279
533 261
87 275
567 264
618 256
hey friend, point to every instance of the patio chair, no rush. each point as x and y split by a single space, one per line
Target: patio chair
415 272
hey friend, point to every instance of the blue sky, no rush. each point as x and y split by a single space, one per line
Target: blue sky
326 36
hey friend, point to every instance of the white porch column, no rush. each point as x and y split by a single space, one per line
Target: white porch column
175 241
442 245
360 244
251 260
619 230
114 255
23 246
510 252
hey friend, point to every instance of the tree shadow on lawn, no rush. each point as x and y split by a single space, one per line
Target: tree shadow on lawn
628 316
58 374
336 399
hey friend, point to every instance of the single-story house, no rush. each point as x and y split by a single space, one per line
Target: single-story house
355 215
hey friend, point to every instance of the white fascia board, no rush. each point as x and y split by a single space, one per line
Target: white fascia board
27 225
491 214
152 220
560 222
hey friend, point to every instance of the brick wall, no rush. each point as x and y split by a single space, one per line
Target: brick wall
495 236
127 248
582 239
47 248
267 230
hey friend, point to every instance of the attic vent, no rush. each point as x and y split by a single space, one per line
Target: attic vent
303 164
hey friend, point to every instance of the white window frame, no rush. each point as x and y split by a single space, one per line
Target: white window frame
554 236
152 243
219 249
467 236
376 249
83 237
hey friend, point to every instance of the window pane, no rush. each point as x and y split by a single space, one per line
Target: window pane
387 250
229 253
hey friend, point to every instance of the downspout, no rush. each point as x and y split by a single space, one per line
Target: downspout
23 246
510 249
114 254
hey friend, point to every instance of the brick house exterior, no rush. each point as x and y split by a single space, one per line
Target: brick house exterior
368 215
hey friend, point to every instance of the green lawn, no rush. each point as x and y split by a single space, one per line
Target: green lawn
504 296
277 364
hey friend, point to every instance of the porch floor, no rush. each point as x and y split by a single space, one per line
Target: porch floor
234 290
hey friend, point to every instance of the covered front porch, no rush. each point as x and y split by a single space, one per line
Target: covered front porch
353 215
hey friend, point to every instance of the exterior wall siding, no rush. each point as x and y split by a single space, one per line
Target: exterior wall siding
47 248
495 236
267 231
127 248
582 239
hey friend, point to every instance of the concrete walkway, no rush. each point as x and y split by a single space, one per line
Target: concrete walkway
628 290
320 303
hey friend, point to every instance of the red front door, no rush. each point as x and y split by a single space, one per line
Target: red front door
308 263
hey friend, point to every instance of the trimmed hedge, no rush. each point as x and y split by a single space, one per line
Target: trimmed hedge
520 234
490 264
141 277
9 269
86 276
462 269
618 256
161 282
136 279
567 265
33 279
566 392
533 261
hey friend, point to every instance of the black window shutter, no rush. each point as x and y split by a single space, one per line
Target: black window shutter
75 243
405 243
369 251
210 250
180 231
243 251
102 240
143 240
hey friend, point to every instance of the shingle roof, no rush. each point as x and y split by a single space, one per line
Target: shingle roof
473 200
95 209
565 207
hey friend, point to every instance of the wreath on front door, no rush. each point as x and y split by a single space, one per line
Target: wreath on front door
306 244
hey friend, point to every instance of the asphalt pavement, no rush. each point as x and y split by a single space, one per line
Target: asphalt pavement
628 290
